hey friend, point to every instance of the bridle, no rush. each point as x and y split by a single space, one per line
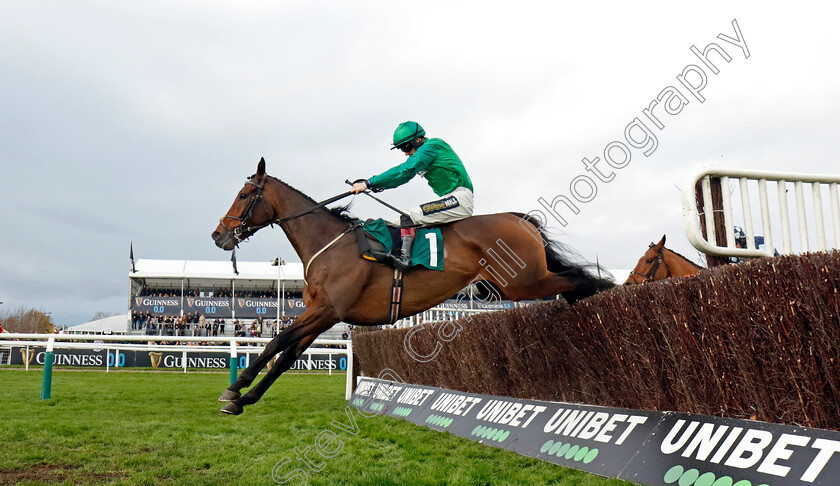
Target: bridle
660 259
244 230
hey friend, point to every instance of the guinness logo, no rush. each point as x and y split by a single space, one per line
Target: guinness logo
241 302
138 301
190 301
156 359
27 360
291 304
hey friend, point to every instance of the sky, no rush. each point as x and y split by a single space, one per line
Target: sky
136 122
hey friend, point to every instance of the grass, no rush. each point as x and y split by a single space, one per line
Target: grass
165 428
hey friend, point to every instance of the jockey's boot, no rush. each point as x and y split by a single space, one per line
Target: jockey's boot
403 262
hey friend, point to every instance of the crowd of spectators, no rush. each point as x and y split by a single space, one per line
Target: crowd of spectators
196 324
190 324
149 292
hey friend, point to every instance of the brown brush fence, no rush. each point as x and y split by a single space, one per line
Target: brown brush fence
757 340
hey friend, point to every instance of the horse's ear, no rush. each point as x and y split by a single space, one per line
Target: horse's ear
661 242
261 167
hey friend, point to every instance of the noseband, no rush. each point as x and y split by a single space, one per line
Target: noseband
660 259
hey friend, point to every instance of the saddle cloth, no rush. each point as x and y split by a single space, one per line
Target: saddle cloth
378 239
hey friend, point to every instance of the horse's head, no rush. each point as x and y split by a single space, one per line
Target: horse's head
648 265
248 213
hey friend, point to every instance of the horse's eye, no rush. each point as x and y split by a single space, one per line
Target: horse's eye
649 261
243 196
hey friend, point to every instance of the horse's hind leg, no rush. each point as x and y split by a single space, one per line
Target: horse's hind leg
548 285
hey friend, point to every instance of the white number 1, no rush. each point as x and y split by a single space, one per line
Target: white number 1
432 249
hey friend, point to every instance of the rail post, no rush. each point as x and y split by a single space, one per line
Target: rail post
48 365
351 372
232 361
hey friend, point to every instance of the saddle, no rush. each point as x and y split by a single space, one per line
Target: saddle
379 241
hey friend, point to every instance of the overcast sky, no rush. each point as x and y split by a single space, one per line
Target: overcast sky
138 121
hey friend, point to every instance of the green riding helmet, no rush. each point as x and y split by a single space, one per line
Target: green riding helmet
406 132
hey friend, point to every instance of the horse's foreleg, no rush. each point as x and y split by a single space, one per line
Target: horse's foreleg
276 345
294 342
247 376
286 360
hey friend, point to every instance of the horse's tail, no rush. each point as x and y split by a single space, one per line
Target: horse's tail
588 278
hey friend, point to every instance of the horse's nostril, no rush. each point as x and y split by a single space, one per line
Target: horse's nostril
215 235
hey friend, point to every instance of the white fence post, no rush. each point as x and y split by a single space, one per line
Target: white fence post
746 219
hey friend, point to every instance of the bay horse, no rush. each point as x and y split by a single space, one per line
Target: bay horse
339 285
659 263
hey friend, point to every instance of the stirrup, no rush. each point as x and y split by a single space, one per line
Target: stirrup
401 263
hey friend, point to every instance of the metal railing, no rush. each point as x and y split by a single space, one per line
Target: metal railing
56 341
750 190
436 314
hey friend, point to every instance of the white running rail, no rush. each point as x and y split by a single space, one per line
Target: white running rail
436 314
233 345
751 188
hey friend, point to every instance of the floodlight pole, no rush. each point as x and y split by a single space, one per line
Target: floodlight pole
281 299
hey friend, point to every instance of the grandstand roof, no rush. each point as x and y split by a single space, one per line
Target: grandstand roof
113 324
163 272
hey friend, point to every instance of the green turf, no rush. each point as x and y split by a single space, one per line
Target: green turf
165 428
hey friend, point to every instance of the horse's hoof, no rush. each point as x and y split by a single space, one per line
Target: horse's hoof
229 396
232 409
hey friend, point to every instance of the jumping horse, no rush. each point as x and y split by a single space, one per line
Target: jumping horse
341 286
659 263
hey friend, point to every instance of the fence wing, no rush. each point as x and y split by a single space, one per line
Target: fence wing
716 200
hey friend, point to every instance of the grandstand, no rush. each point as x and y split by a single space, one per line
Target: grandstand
169 297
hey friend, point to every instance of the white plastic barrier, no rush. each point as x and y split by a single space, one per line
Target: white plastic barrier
56 341
751 191
436 314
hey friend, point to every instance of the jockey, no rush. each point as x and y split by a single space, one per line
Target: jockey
741 242
434 160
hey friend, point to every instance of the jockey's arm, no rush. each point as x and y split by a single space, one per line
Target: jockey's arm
404 172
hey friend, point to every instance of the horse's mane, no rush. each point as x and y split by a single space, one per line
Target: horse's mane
340 212
683 257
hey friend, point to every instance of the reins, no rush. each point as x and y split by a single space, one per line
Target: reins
244 228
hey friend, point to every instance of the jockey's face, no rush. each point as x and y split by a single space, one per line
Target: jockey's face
410 149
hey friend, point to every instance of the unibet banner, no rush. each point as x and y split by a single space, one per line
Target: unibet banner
644 447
